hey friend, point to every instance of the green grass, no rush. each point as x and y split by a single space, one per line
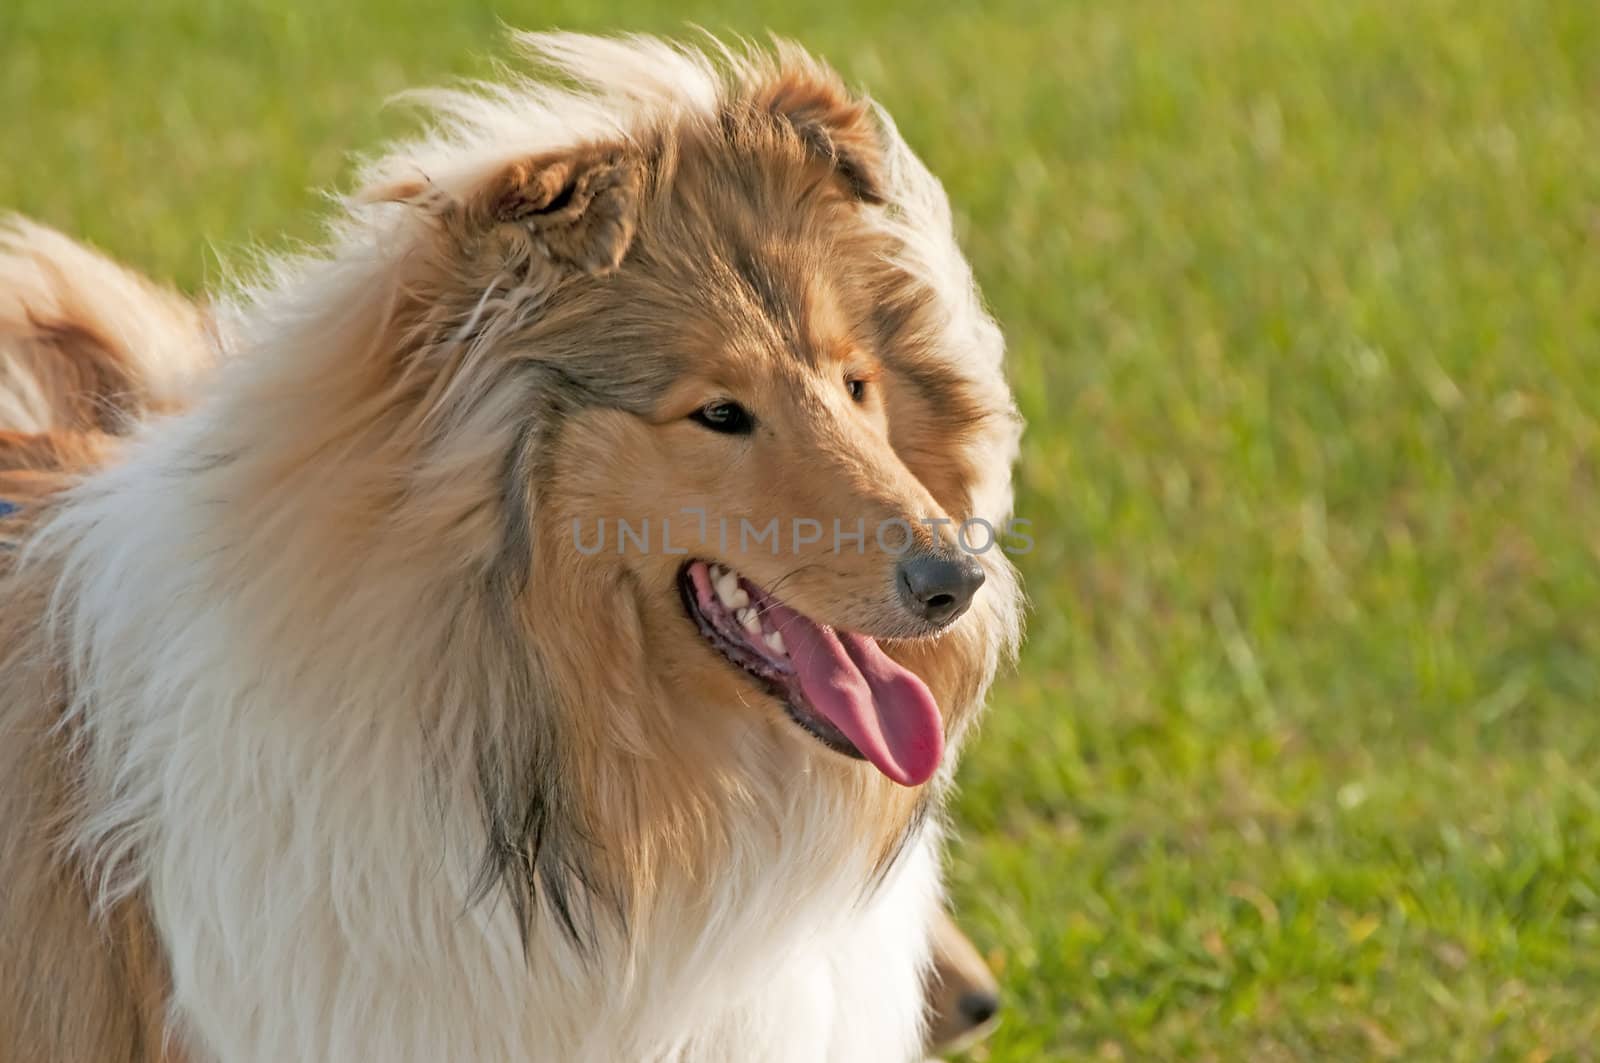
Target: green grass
1303 757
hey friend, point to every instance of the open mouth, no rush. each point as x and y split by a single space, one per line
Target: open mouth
839 686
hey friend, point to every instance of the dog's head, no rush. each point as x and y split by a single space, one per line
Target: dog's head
686 371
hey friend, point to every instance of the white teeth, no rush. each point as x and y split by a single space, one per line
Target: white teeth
729 592
774 641
749 621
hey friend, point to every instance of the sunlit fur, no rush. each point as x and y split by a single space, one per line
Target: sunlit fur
311 699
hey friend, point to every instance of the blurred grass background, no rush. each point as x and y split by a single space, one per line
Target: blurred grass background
1304 305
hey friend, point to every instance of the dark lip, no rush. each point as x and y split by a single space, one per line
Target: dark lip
771 681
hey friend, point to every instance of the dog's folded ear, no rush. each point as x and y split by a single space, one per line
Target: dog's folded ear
581 208
578 208
832 123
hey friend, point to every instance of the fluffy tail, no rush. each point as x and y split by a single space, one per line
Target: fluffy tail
87 346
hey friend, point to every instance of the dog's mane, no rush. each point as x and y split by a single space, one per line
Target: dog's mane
291 524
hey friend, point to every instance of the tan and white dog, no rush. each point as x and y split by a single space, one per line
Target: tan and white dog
326 735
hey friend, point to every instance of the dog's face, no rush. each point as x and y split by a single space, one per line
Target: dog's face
760 452
756 442
752 496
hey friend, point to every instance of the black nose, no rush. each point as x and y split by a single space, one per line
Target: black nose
939 588
978 1008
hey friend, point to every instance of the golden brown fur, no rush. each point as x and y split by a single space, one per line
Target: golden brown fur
86 346
751 224
496 352
74 985
31 468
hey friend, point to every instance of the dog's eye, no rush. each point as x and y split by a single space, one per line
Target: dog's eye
727 417
858 389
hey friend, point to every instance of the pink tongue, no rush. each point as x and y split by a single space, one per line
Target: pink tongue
886 711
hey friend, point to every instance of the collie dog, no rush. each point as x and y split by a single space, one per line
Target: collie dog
327 731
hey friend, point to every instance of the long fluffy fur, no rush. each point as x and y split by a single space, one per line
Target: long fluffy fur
85 344
314 701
